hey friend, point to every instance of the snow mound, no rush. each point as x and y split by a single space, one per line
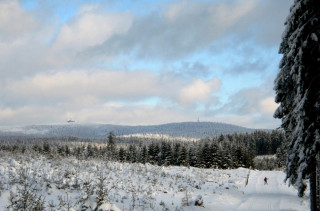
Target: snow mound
108 207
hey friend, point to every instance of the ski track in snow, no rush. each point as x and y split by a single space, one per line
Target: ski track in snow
276 195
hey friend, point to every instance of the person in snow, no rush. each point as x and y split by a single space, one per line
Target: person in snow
265 180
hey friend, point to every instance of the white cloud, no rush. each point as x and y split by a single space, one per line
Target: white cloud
15 22
187 26
199 90
132 115
44 74
255 120
29 114
92 27
85 88
24 42
81 86
105 113
6 113
268 106
251 107
114 113
222 14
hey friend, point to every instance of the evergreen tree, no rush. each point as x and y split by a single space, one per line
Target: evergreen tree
166 154
67 150
176 154
200 157
239 157
78 152
111 141
225 157
214 154
298 92
192 157
221 138
248 159
162 155
122 154
96 151
262 143
277 137
281 155
60 150
151 153
89 151
46 147
132 153
144 154
183 158
156 153
112 145
206 155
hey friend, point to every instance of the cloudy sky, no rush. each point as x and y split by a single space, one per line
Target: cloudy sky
140 62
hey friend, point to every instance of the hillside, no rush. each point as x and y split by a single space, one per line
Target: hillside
72 184
183 129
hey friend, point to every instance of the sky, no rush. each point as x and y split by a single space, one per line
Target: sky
140 62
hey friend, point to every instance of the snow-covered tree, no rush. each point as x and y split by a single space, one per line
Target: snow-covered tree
122 154
183 158
132 153
111 140
144 154
298 92
214 154
176 154
112 143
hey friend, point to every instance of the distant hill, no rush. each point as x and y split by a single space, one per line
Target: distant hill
183 129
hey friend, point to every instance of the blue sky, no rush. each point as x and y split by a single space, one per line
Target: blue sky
140 62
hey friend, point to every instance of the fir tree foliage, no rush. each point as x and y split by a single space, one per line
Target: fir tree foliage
298 90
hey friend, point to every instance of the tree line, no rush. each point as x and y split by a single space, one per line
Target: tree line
223 152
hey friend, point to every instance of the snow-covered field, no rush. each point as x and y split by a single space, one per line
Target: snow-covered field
70 184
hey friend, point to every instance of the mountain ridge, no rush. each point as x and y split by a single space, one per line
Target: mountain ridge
177 129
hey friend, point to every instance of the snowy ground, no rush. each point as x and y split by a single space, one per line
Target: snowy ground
72 184
276 195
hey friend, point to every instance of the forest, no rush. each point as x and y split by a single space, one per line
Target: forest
219 152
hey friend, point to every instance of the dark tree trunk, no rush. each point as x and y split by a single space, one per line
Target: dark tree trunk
313 191
318 182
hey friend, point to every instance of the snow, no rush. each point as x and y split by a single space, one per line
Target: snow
275 195
146 187
314 37
159 137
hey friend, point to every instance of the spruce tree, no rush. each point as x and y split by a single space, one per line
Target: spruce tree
192 156
239 157
132 153
183 158
163 153
89 150
214 154
176 154
298 92
122 154
67 150
200 156
144 155
112 145
111 141
156 151
206 155
151 154
167 154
